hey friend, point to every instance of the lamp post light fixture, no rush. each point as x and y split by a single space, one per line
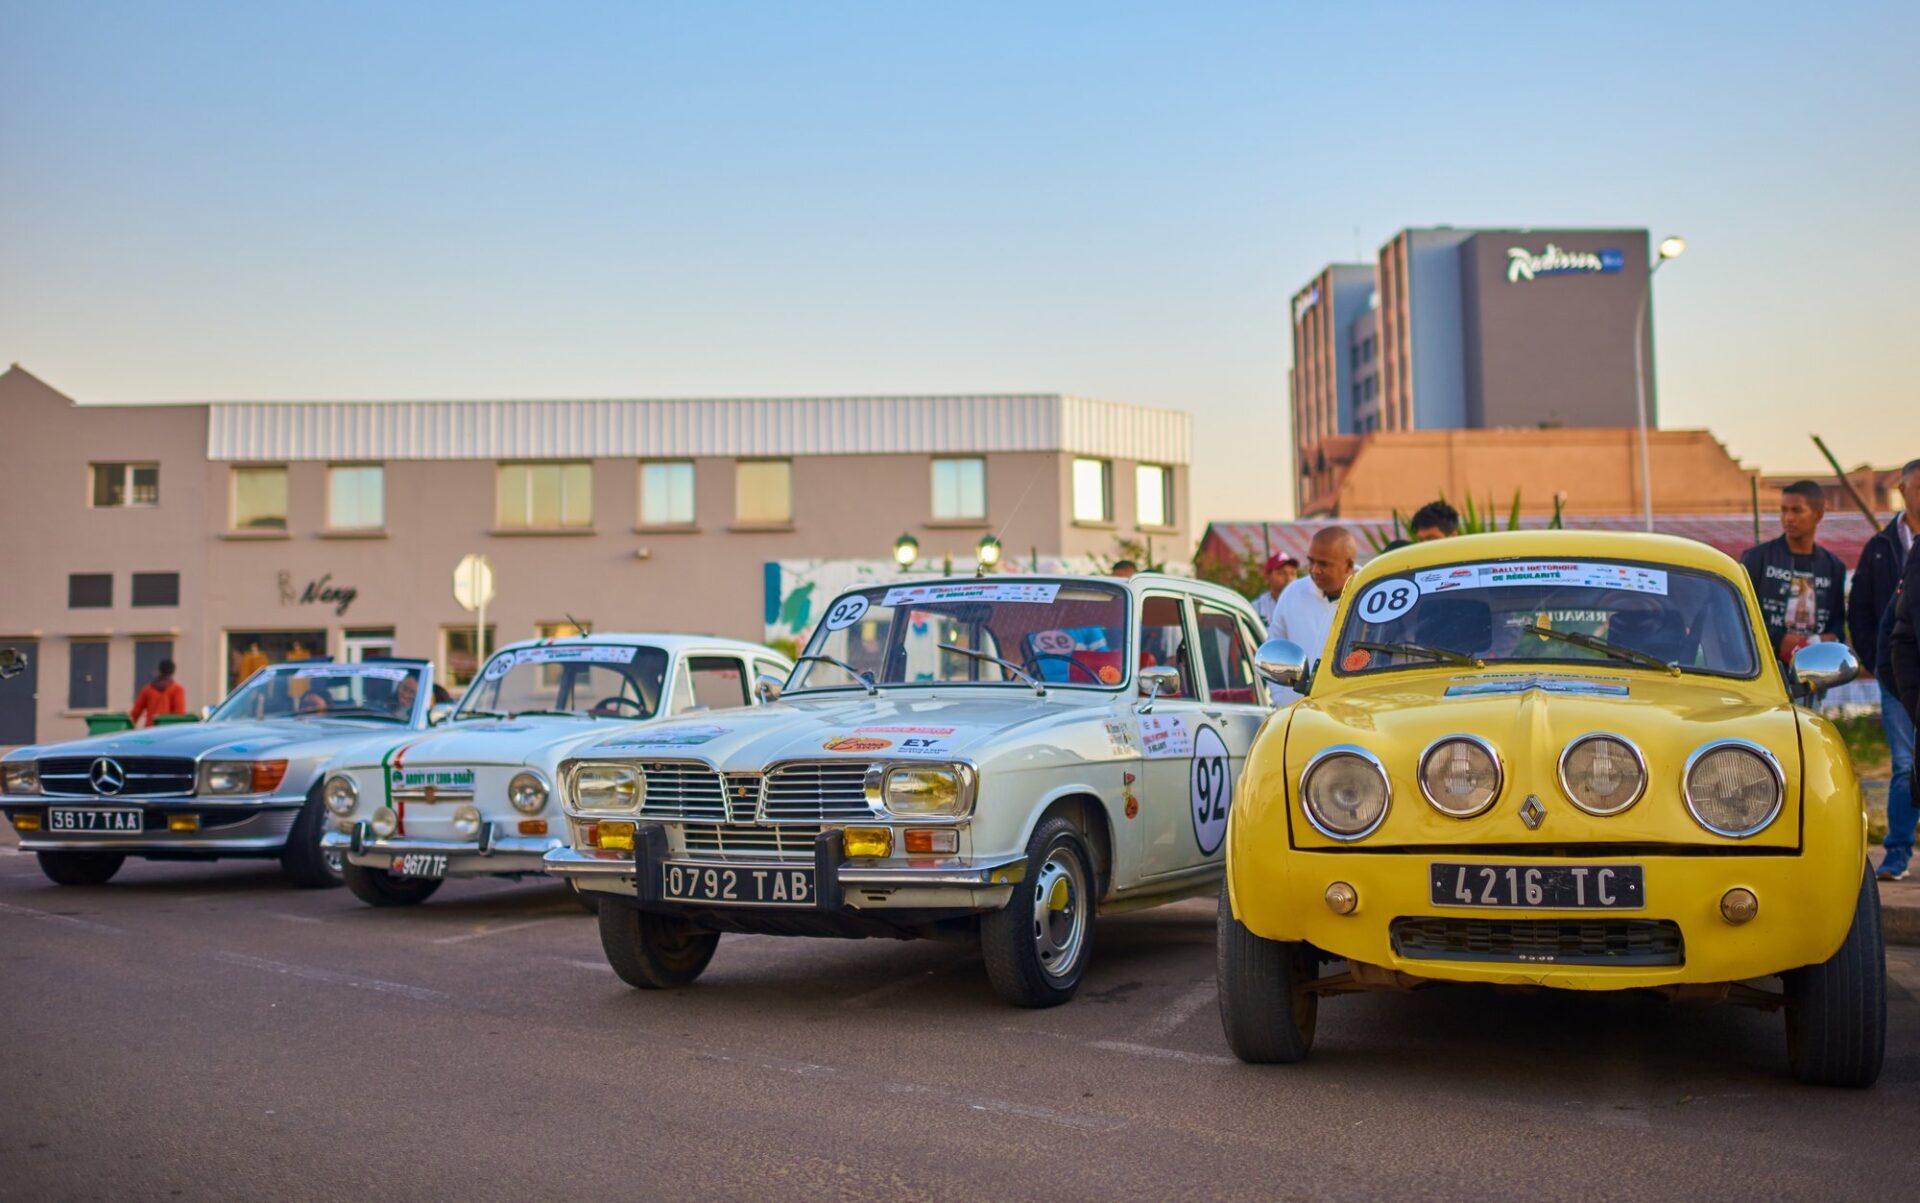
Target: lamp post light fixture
1671 247
987 551
906 549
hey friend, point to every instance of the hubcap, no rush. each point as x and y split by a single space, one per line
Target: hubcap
1060 912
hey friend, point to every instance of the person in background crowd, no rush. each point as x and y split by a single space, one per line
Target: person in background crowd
1281 569
1900 659
162 695
1434 520
251 661
1304 613
1123 569
1870 616
1799 583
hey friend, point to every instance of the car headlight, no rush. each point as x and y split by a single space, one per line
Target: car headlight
384 822
1602 774
918 792
527 792
22 778
1346 792
1734 788
1460 775
340 795
242 776
614 788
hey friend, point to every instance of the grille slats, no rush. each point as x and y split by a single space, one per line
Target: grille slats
683 791
1541 941
788 841
147 776
818 791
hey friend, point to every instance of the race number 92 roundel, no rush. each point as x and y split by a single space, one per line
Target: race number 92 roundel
1210 790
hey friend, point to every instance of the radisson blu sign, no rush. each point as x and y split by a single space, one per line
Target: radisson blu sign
1523 264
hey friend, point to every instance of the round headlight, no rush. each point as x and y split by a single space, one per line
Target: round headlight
1460 775
340 795
1602 774
917 791
1734 788
617 788
466 821
1346 792
527 792
384 822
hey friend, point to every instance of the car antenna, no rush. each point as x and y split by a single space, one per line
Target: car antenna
581 627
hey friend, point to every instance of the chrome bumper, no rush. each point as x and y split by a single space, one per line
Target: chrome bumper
259 827
487 853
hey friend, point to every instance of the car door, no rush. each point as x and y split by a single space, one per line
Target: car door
1167 733
1235 707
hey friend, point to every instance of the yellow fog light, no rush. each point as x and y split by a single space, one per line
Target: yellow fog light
1738 905
1342 898
617 836
183 822
466 820
26 822
384 822
868 841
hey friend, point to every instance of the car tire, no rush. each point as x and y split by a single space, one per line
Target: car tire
303 861
1837 1010
377 887
654 952
588 902
1037 947
81 868
1267 1018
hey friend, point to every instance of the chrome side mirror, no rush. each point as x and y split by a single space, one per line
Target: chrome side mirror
13 662
768 688
1281 661
1818 667
438 713
1158 681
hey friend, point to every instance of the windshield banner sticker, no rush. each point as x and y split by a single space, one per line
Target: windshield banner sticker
1165 736
1564 685
662 737
575 654
990 591
1577 573
380 672
911 741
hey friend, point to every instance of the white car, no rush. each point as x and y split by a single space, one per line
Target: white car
469 798
1000 758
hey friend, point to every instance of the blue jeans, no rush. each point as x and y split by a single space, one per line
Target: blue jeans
1900 808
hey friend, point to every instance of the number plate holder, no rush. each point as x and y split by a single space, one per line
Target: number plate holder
786 886
1596 887
117 820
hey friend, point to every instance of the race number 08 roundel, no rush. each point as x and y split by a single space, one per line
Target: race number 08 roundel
1387 600
1210 790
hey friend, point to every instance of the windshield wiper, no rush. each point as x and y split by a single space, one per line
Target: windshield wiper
1595 643
865 683
354 712
1420 649
1038 689
461 715
557 713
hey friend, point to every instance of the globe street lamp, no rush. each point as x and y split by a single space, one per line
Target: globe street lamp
987 551
1670 248
906 549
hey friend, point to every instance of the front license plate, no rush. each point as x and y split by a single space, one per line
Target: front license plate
1546 887
420 864
737 885
73 818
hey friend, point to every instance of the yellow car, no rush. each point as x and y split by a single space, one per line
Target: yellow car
1554 759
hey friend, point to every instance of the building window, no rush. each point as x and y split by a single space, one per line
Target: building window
666 494
356 497
959 490
250 651
1092 490
87 675
156 588
117 486
546 496
89 590
260 498
459 663
763 492
1153 494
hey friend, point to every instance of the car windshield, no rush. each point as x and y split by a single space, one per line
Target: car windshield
1536 612
312 689
1070 633
588 680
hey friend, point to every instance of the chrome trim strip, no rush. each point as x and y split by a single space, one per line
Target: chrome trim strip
1306 776
1499 774
532 845
1765 754
1560 772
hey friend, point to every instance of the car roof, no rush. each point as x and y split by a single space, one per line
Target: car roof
665 641
1136 583
1556 544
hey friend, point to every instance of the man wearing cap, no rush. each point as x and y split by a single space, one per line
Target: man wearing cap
1281 569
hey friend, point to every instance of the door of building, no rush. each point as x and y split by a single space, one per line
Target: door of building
356 646
19 696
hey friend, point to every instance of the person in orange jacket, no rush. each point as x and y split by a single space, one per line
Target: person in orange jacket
162 695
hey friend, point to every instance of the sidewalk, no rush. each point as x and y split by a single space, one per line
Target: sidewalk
1899 907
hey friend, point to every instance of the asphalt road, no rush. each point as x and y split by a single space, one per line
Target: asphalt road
193 1032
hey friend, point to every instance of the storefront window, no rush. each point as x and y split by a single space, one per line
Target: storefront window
250 651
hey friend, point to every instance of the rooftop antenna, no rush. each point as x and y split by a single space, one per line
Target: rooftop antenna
585 628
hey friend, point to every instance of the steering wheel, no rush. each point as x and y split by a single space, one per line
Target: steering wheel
1033 661
612 706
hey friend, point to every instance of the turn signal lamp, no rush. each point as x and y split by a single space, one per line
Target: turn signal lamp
615 836
925 842
868 841
26 822
1342 898
183 822
533 827
1739 905
267 775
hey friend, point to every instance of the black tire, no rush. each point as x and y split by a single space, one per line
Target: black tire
1268 1020
303 862
588 902
1022 942
654 952
377 887
1837 1010
81 868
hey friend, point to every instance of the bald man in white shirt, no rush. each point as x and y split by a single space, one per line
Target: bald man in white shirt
1304 612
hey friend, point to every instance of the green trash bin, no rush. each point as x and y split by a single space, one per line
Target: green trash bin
108 723
162 720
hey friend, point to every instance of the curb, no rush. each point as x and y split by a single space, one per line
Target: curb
1900 920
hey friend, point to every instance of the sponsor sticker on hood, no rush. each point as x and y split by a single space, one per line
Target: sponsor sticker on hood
857 743
659 737
911 741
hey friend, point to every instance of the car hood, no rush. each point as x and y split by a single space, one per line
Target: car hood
486 741
240 739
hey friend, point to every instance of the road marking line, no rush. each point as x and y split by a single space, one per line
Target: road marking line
308 973
1176 1013
493 931
291 918
82 924
1165 1054
598 966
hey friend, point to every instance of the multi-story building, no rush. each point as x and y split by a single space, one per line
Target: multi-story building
226 535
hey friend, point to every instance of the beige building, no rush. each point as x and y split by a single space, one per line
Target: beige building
225 535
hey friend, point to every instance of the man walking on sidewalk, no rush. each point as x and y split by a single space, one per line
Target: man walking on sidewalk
162 695
1876 582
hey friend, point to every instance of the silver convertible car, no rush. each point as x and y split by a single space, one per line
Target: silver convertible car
244 783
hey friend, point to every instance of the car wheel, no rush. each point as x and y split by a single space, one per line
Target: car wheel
1837 1010
1267 1018
1037 947
377 887
303 861
81 868
588 902
654 952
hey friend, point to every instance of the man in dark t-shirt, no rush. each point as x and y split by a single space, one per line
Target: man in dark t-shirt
1802 585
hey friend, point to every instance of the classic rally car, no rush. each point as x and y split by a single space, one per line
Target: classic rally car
998 759
1554 759
244 783
469 798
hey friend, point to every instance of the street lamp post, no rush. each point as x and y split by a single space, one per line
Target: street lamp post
1670 248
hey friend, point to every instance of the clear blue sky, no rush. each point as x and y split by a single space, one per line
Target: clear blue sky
346 201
